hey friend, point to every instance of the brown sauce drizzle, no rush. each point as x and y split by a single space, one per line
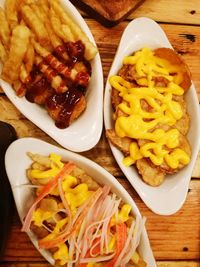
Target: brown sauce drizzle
60 106
75 51
65 103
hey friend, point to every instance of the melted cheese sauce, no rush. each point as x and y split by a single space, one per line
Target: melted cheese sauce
140 122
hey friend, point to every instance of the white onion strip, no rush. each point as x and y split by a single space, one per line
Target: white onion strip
97 259
124 250
135 240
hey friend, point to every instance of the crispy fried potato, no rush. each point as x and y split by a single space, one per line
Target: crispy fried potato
18 47
35 48
20 88
90 48
184 123
29 58
39 12
175 59
128 73
43 160
85 178
41 232
150 174
49 204
44 5
23 74
58 27
3 53
11 13
54 79
185 146
122 143
4 29
36 25
115 98
54 39
78 108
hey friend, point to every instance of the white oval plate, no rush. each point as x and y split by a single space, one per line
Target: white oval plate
169 197
85 132
16 171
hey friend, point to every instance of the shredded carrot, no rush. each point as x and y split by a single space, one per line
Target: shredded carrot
64 236
96 250
67 168
121 231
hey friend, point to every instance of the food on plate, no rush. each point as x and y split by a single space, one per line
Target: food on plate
81 222
46 55
150 113
18 46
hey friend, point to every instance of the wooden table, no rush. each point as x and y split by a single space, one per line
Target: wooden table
175 239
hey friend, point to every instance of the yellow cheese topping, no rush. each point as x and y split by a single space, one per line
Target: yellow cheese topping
62 254
139 123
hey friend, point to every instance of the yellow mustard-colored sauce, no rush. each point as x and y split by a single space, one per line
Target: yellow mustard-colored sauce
139 123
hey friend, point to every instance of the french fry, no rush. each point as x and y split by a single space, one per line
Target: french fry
56 42
67 32
55 63
34 36
18 47
44 5
39 49
39 12
23 75
51 75
54 39
19 87
36 25
90 48
29 58
11 13
3 54
4 29
57 26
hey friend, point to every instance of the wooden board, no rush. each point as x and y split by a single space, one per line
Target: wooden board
159 264
108 12
175 239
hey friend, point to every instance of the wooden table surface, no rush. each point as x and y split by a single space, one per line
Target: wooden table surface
175 239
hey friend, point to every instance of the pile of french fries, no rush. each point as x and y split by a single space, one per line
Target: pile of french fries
29 31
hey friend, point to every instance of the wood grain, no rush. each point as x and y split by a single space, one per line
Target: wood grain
185 12
159 264
175 239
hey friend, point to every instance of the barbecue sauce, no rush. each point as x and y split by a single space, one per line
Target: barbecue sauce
40 91
66 103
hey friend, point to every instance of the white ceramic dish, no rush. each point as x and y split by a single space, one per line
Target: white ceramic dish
170 196
84 133
16 171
